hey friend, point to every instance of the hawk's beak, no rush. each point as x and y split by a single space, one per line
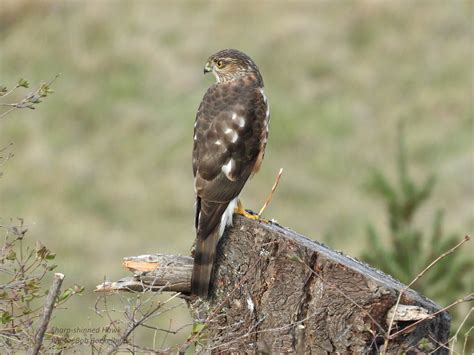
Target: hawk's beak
207 68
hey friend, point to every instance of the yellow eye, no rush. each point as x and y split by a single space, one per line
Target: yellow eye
219 64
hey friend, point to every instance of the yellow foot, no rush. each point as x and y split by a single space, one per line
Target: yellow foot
240 210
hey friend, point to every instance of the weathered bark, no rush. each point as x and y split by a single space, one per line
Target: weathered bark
277 291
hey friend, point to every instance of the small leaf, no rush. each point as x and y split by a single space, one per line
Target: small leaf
52 267
6 317
78 289
41 251
295 257
11 255
3 90
32 285
44 90
198 327
50 256
425 344
23 83
66 295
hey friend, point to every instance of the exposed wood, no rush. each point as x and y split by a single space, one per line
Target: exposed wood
277 291
404 313
157 272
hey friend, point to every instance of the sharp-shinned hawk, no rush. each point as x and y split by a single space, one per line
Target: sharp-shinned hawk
230 134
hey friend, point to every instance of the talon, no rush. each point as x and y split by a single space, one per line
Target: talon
240 210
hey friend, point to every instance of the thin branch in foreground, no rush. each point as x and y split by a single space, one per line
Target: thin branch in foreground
133 323
270 195
30 100
4 92
7 112
466 336
454 338
48 311
434 262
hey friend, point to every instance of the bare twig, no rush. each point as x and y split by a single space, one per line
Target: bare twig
31 99
270 195
136 323
48 310
454 338
440 346
400 295
11 90
7 112
466 336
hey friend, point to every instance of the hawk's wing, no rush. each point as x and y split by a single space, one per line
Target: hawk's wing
230 125
229 138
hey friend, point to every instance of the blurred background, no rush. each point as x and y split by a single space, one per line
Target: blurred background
102 168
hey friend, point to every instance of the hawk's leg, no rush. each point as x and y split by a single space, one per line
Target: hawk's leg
241 210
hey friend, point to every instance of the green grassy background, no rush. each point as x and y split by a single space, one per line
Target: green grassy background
102 168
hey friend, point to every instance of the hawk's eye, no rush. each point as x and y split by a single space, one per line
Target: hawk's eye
219 64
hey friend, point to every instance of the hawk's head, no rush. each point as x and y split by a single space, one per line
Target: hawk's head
230 64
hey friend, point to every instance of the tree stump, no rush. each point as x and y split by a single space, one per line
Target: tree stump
277 291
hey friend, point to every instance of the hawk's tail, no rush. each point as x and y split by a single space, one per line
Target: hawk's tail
204 256
208 234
